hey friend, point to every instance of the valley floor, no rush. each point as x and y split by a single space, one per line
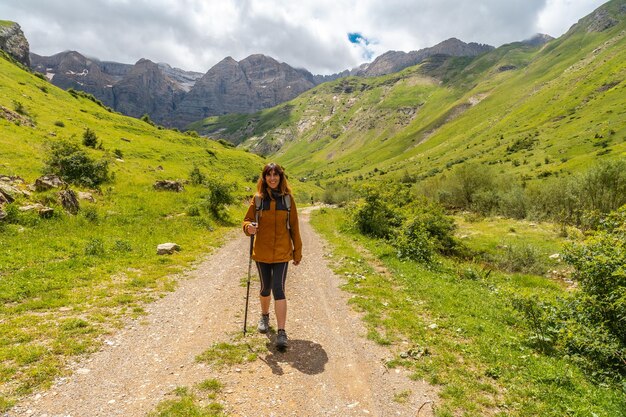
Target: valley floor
330 369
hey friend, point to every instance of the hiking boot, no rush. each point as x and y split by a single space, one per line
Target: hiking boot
281 339
264 323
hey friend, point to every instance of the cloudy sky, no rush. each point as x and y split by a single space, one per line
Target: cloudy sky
323 36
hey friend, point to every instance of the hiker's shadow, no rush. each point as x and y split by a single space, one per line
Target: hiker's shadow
305 356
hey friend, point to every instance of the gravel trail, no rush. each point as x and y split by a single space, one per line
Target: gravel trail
330 368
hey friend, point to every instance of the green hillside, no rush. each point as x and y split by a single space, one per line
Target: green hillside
531 111
67 279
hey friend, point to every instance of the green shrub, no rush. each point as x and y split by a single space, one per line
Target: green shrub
12 212
122 246
94 247
90 139
428 232
588 326
374 217
218 198
465 183
19 108
541 316
118 154
59 123
485 202
601 272
583 199
514 203
520 257
196 176
603 187
193 211
337 194
225 143
414 243
91 214
73 165
146 118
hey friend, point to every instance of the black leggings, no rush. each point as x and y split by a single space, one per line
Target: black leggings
273 277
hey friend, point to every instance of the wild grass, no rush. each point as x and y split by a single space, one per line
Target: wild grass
455 327
223 354
199 401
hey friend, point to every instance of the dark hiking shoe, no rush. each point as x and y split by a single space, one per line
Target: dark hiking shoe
281 340
264 323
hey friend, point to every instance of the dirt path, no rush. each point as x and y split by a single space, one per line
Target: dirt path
330 369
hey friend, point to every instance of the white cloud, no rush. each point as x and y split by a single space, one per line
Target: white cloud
559 15
311 34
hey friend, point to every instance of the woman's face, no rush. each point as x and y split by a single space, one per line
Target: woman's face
272 179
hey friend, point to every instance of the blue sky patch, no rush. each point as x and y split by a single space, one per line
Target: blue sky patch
362 42
357 38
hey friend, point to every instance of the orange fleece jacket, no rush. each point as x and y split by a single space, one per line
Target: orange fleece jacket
273 243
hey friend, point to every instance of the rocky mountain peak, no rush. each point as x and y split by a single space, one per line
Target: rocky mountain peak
538 39
254 83
143 62
146 89
13 42
393 61
603 18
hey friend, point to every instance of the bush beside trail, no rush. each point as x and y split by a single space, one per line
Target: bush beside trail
590 325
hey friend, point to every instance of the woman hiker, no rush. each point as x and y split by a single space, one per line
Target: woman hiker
273 219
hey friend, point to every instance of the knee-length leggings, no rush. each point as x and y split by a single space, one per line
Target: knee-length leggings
273 277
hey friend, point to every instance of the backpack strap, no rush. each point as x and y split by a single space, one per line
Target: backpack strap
287 201
258 204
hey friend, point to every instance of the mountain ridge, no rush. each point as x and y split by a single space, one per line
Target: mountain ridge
184 105
426 119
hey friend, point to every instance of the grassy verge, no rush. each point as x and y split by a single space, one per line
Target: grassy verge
69 280
457 330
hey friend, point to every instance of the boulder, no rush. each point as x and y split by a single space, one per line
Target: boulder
48 182
12 179
3 214
10 191
167 248
83 195
69 201
36 206
43 211
46 212
168 185
7 192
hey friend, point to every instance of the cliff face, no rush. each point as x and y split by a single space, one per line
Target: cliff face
252 84
73 70
147 90
13 42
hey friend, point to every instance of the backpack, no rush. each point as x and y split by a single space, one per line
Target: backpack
258 203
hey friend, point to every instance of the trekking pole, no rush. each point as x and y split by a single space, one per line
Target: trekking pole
245 316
